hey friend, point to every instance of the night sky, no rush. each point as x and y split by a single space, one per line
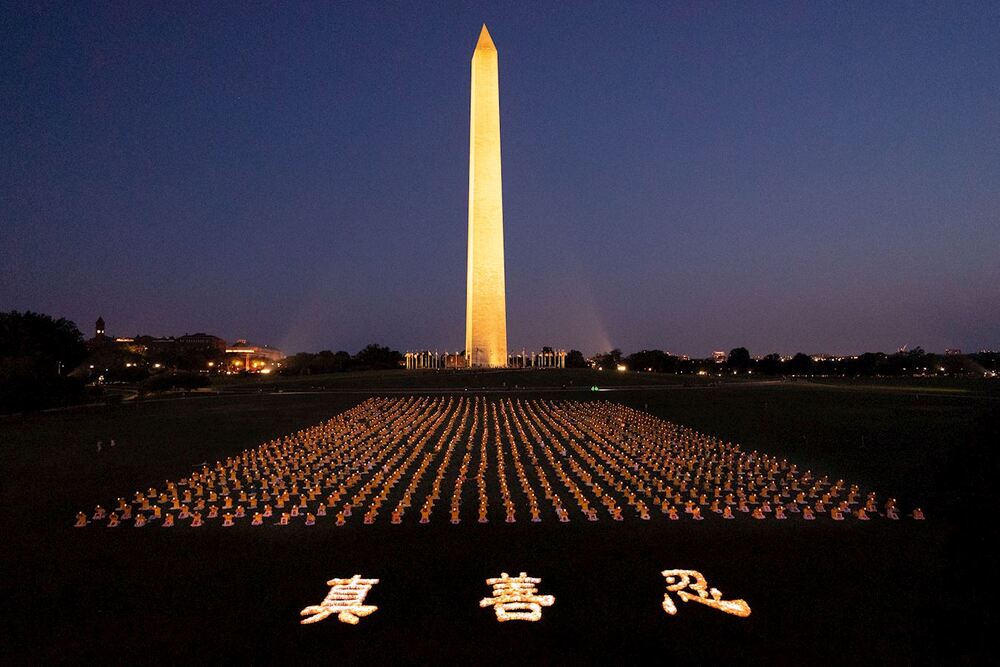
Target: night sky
817 177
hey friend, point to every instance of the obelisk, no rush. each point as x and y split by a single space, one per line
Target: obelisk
486 301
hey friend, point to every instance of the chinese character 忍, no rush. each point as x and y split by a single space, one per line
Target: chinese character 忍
677 580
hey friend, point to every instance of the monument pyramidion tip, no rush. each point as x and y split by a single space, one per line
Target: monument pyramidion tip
485 41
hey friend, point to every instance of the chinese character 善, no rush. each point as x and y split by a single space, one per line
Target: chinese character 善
516 599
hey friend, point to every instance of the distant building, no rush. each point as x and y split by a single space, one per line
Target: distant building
100 340
206 351
953 352
719 357
243 356
198 341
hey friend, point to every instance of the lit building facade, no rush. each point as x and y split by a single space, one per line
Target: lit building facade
246 357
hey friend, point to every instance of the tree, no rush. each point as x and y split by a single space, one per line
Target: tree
985 361
186 358
868 363
657 361
574 359
378 356
609 359
36 354
116 364
308 363
770 365
801 364
739 360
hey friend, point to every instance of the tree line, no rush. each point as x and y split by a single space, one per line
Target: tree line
37 354
739 361
371 357
45 363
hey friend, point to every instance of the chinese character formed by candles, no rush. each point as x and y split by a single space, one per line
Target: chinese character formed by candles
516 599
346 598
678 580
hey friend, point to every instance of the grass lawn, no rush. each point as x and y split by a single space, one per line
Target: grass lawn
875 592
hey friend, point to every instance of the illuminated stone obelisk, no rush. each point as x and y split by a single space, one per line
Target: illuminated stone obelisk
486 301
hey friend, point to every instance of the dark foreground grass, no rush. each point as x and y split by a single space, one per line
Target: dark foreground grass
877 592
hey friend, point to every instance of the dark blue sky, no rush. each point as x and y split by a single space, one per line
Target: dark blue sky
822 177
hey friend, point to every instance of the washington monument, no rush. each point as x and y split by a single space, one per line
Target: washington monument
486 301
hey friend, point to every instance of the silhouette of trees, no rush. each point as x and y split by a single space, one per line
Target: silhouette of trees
656 361
375 357
770 365
739 360
800 364
608 359
37 353
307 363
186 358
372 357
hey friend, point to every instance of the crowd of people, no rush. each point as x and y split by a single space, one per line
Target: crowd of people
510 459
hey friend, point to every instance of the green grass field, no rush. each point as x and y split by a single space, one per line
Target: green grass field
875 592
